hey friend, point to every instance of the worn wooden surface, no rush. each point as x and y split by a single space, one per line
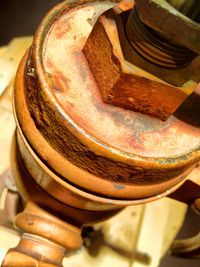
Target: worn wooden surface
138 236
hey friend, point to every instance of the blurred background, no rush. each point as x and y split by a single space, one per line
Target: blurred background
21 18
190 228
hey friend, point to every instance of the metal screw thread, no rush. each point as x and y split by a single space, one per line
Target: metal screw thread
154 47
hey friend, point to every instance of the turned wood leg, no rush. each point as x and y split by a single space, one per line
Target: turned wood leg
44 241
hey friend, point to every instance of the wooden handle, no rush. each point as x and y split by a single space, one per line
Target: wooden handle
44 241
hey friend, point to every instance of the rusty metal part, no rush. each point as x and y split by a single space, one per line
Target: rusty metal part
154 47
151 51
144 71
69 194
164 18
71 126
122 85
50 227
75 212
146 47
78 159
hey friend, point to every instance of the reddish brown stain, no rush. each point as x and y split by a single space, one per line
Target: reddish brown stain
68 141
129 91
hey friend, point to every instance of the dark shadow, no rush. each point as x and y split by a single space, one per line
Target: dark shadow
189 228
21 17
189 111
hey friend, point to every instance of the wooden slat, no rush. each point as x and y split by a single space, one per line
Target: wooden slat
120 238
8 239
7 126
